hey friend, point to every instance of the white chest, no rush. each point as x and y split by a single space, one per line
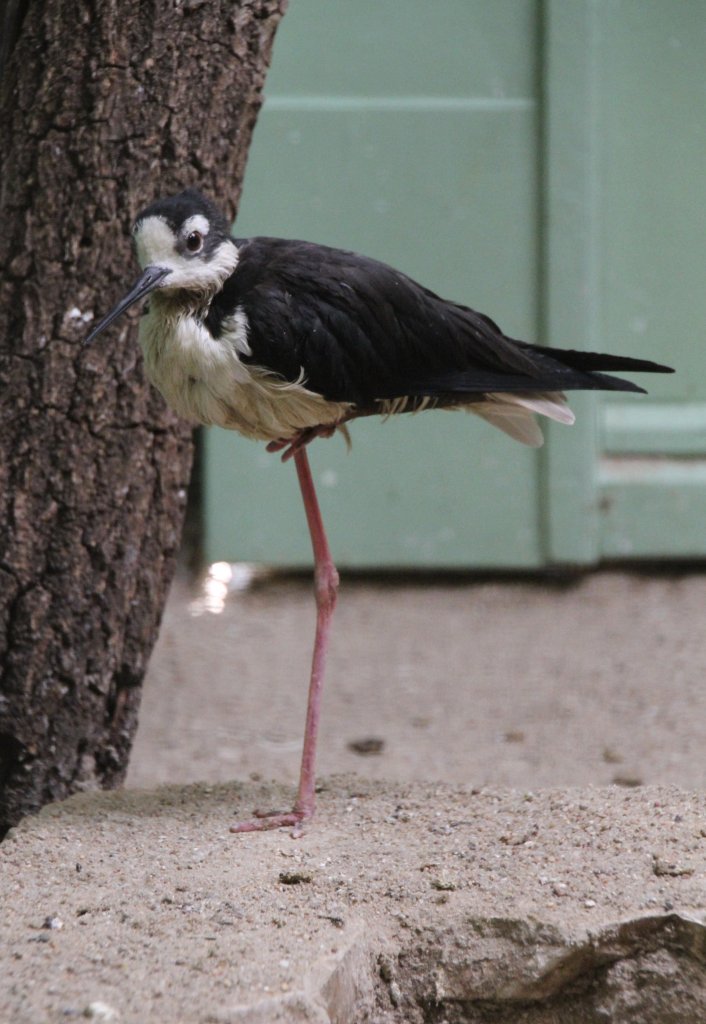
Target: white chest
187 365
204 379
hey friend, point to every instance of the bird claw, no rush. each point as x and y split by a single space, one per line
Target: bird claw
294 444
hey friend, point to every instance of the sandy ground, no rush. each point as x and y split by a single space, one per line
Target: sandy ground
491 683
556 871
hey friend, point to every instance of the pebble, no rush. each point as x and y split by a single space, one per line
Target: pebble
443 884
101 1012
367 746
294 877
395 993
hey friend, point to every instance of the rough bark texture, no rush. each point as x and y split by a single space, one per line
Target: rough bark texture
104 105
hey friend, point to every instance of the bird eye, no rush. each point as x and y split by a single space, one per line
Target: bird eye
194 241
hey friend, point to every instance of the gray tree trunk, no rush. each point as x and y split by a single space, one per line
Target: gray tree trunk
103 106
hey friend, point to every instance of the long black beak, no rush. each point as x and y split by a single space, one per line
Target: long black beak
146 282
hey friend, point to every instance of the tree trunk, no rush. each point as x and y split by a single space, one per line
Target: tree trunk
103 106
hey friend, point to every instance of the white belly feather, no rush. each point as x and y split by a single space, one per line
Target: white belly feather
204 379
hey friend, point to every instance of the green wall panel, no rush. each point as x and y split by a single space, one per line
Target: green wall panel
652 507
446 48
650 98
399 498
624 84
651 77
446 195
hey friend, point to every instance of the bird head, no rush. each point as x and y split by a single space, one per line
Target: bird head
183 245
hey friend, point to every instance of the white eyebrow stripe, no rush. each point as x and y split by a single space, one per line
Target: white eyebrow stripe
196 223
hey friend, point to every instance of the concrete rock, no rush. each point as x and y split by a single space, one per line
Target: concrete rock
412 914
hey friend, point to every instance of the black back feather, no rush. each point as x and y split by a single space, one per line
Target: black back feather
360 331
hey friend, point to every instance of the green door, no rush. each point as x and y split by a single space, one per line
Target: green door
497 152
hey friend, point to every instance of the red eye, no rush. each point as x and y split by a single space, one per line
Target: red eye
194 241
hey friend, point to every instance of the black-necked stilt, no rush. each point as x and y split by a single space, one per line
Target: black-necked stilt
285 341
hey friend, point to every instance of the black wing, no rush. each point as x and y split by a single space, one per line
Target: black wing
360 331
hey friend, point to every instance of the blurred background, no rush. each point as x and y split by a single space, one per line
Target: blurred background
542 161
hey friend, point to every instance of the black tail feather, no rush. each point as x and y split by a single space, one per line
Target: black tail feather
555 369
588 361
565 378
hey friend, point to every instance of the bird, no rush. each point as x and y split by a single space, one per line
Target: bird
286 341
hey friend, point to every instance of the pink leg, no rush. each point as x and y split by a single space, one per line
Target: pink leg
326 587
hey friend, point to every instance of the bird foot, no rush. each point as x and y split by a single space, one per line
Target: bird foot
292 445
264 821
295 444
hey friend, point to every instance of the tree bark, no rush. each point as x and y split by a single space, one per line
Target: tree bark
103 106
